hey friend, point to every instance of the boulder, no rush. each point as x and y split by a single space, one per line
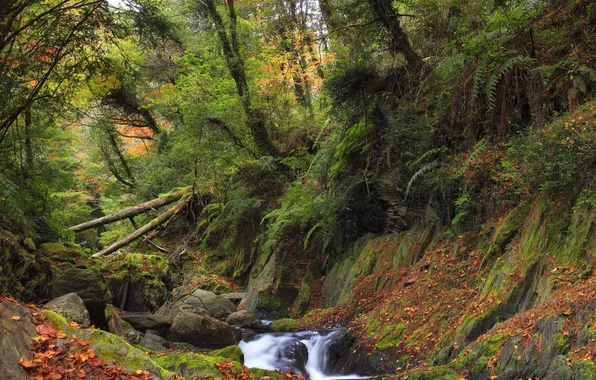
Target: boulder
71 307
244 318
216 306
88 285
293 356
171 309
147 321
153 342
201 331
234 297
15 339
109 347
137 281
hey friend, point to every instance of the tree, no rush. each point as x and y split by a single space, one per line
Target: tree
229 43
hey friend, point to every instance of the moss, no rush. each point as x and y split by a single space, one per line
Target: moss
285 324
584 369
263 373
561 342
476 359
190 364
432 373
233 353
109 347
507 229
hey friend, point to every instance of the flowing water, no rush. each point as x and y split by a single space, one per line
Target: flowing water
270 351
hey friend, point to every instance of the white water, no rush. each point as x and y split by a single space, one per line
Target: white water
262 352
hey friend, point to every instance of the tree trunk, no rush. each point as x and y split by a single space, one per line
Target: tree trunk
131 211
143 230
399 39
231 50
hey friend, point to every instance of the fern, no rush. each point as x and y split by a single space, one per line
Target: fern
495 78
479 148
12 201
425 169
427 154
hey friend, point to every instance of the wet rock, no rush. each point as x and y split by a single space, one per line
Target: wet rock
244 318
147 321
88 285
15 339
71 307
293 356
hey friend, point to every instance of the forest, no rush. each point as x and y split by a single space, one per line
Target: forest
298 189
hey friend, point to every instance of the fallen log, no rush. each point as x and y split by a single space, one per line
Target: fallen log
132 211
143 230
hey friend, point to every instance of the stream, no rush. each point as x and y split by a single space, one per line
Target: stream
304 352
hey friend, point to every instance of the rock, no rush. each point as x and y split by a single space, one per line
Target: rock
193 366
293 356
559 369
137 281
133 336
147 321
114 321
234 297
23 275
201 331
217 306
88 285
170 310
153 342
284 325
244 318
269 290
71 307
15 339
110 347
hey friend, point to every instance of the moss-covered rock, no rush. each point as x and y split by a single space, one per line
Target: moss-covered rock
138 281
23 275
192 365
233 353
430 373
88 285
110 347
284 325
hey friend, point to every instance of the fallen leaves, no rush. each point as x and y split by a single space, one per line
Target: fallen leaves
15 318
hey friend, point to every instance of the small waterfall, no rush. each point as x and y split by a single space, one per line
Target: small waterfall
284 351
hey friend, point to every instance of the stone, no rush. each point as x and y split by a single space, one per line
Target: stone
147 321
201 331
153 342
110 347
293 356
234 297
71 307
216 306
88 285
114 321
15 339
244 318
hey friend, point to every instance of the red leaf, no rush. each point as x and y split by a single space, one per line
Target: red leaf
46 330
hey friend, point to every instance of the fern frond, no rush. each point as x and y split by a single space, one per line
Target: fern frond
425 169
479 148
497 76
